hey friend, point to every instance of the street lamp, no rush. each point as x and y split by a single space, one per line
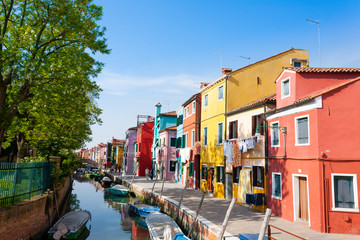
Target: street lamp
318 23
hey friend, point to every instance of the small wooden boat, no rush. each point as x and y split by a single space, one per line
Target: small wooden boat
106 182
118 190
99 177
142 209
70 226
163 227
139 221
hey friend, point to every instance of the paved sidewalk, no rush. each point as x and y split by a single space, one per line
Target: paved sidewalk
242 219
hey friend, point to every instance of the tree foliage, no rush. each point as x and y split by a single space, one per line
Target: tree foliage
47 64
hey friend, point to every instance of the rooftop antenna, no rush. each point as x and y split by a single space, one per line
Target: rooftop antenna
318 23
220 53
248 58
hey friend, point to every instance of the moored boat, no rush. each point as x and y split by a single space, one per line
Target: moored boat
118 190
163 227
106 182
142 209
70 226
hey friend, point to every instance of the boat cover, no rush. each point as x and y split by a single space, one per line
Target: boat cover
157 222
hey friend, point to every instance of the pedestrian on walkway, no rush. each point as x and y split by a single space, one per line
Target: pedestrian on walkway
116 167
147 174
151 174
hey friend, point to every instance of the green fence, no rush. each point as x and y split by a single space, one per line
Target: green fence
20 181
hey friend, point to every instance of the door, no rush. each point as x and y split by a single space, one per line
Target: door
210 177
197 171
303 199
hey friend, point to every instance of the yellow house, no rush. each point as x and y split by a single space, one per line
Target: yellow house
250 93
212 136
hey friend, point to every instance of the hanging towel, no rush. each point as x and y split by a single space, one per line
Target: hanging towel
236 155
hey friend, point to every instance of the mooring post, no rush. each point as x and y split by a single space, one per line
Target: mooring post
162 187
265 224
152 190
136 168
182 195
226 219
197 213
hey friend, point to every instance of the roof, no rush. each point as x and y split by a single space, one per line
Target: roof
172 113
132 128
271 98
117 141
174 128
214 83
192 98
327 90
321 70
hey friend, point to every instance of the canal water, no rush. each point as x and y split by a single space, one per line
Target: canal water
111 218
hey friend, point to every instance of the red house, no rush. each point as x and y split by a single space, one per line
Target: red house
314 135
142 147
191 130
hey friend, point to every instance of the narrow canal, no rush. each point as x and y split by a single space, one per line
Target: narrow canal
110 216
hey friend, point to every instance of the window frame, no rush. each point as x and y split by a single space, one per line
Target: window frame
282 88
271 134
222 133
206 100
171 138
220 180
262 171
171 160
193 106
236 174
273 185
356 200
204 174
192 138
186 140
205 136
222 93
296 130
233 129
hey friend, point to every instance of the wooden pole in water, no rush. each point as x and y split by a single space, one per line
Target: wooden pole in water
265 224
197 213
182 195
152 190
226 219
136 169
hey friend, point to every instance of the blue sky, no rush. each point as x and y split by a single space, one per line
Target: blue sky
162 50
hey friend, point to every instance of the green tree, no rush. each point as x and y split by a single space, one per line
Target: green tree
47 50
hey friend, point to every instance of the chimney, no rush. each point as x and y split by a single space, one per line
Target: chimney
226 71
203 85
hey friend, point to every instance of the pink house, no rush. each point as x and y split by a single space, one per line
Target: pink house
314 135
167 149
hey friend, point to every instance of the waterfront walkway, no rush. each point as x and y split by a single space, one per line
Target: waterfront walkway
242 219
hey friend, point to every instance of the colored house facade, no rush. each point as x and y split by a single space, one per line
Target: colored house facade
117 151
162 121
167 156
191 131
314 163
179 145
246 130
131 137
143 155
212 137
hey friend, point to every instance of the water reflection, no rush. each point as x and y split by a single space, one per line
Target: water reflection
111 218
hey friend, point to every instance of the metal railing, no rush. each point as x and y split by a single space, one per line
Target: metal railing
20 181
269 233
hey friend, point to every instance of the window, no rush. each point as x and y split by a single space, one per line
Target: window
191 169
275 141
188 111
236 174
206 100
178 142
302 131
220 174
164 142
179 120
193 107
258 176
204 172
192 138
344 192
276 185
136 147
297 64
205 137
183 141
257 125
285 88
139 147
186 140
219 133
221 93
172 142
172 165
233 129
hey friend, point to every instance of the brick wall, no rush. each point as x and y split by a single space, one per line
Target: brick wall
31 218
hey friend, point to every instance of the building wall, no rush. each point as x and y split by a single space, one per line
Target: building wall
144 155
168 153
243 86
131 138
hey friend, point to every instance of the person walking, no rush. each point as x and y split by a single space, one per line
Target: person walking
147 174
151 174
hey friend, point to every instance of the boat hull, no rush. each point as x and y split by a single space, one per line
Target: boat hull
143 210
117 192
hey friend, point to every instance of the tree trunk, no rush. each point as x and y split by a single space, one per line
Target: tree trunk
20 139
